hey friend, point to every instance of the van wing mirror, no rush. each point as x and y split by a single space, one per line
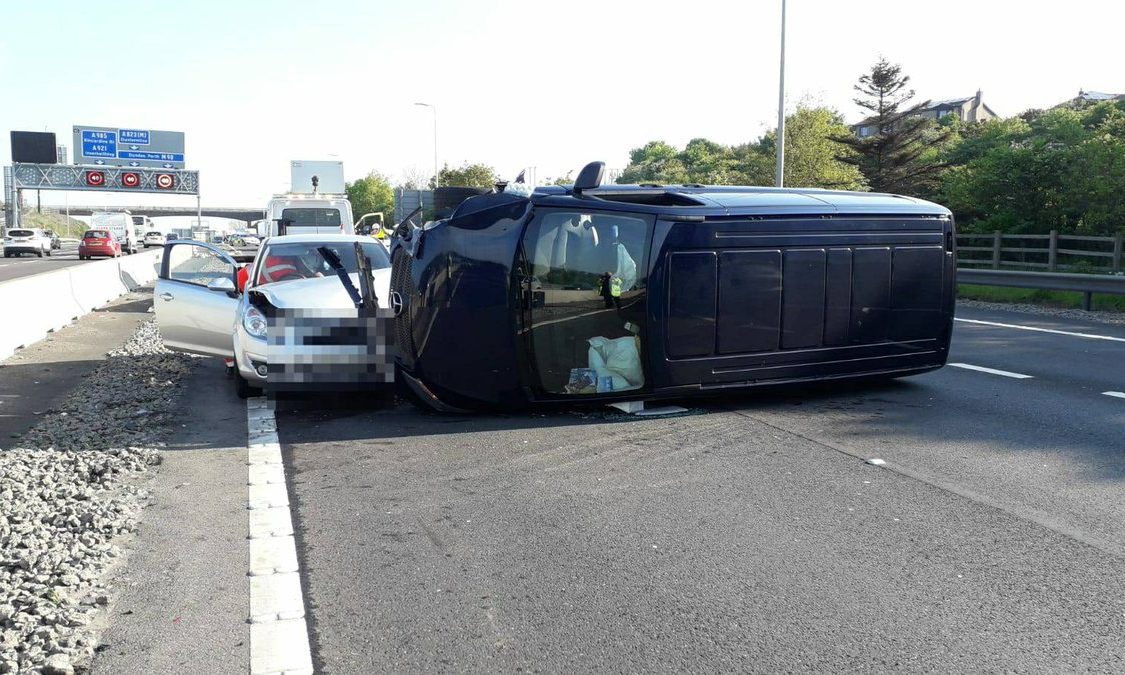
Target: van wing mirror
590 177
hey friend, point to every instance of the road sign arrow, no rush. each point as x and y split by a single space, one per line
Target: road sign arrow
167 165
98 161
134 163
134 147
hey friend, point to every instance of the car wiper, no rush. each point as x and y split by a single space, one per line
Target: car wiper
366 279
333 261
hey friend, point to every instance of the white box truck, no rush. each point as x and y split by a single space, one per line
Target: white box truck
120 223
315 204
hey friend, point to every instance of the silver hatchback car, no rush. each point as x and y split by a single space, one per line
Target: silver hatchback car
294 319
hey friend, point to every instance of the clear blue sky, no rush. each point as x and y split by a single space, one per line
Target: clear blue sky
551 85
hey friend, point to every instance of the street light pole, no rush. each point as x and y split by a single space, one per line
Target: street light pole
779 165
434 109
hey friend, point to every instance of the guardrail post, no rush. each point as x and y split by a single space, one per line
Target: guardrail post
1053 251
1118 240
997 242
1087 301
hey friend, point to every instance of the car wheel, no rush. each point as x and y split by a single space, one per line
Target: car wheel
40 253
48 253
243 388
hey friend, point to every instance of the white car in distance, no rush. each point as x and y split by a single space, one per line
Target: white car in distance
296 324
154 238
26 240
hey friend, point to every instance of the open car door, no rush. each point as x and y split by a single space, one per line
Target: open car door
196 298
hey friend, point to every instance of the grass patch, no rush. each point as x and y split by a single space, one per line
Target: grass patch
54 222
1064 299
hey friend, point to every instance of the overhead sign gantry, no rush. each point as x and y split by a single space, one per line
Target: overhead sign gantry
107 159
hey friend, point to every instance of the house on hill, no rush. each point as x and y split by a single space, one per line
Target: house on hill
1092 97
970 109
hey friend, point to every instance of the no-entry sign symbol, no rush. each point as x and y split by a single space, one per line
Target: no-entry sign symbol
95 178
165 181
130 179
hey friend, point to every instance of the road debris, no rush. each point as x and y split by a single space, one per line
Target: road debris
68 494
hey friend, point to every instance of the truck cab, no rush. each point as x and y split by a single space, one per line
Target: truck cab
308 214
315 204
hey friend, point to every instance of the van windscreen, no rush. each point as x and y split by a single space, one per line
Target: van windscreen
310 217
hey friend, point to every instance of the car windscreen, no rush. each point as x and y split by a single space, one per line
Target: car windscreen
309 217
153 234
284 262
95 234
20 233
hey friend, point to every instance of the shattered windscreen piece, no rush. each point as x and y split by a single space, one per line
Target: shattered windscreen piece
347 348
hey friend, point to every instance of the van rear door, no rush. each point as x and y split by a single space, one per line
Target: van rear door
789 298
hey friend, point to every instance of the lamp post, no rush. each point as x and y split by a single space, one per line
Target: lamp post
779 164
434 109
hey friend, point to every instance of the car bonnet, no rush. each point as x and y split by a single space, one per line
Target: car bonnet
322 292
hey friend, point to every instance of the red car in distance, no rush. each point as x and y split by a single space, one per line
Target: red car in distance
98 242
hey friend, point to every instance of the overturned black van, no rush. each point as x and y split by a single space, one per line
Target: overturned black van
610 293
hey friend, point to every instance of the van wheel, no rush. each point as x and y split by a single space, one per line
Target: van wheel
48 253
40 253
243 388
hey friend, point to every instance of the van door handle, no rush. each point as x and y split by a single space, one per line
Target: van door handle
167 296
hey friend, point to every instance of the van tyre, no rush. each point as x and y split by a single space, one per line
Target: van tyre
243 388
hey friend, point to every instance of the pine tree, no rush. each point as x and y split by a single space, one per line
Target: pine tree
897 157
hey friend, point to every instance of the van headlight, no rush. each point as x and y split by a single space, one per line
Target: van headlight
255 323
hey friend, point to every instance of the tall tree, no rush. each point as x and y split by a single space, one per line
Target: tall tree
468 175
1060 169
896 158
372 194
812 158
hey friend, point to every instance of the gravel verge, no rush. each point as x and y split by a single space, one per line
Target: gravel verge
1115 318
69 493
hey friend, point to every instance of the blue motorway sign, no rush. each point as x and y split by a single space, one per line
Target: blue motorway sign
100 144
115 146
133 137
151 156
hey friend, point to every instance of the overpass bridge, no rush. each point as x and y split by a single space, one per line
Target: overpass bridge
248 214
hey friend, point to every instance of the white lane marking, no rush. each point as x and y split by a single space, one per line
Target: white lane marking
1115 394
1042 330
991 371
279 636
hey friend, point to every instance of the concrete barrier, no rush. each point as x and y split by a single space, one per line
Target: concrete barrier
34 306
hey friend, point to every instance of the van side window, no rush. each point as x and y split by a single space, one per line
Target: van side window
574 251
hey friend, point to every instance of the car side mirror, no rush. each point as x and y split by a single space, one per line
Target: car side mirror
223 284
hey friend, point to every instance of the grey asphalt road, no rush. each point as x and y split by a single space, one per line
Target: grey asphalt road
748 535
26 265
181 604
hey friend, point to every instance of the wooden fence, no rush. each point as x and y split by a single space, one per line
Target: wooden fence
1052 252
